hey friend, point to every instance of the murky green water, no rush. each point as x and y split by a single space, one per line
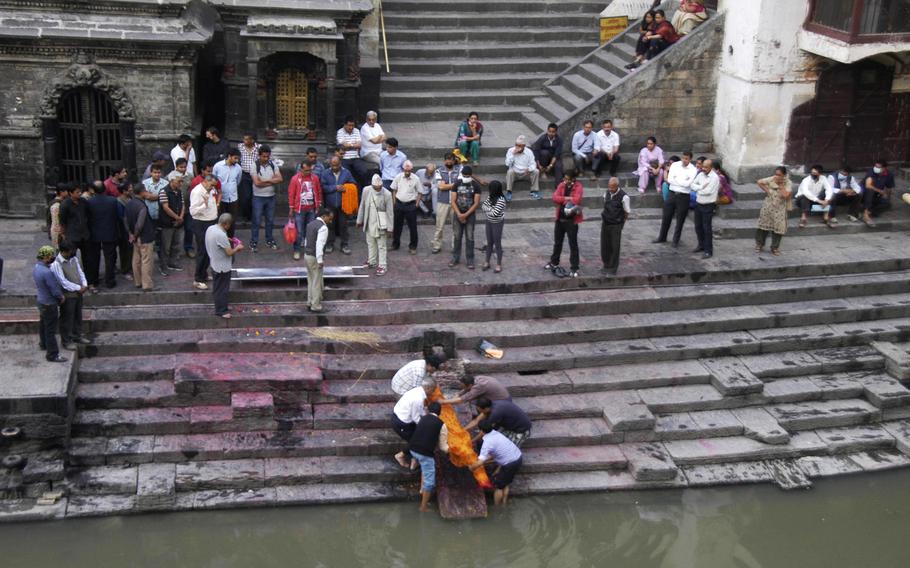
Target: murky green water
859 522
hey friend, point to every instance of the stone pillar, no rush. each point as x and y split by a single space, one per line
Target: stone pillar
330 122
763 76
252 77
50 134
128 147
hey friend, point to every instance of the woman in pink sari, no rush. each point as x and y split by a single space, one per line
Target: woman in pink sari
650 162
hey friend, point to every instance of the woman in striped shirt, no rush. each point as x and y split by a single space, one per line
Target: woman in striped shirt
495 209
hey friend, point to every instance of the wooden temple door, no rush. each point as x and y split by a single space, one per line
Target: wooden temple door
90 142
291 100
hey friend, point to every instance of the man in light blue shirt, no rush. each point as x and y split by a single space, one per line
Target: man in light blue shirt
391 162
583 147
228 172
499 449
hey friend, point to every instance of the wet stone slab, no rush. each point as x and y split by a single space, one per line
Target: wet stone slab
738 448
852 439
727 474
245 372
625 411
21 510
219 474
827 466
787 364
884 391
759 425
881 460
649 461
155 488
102 480
788 475
100 505
824 414
792 390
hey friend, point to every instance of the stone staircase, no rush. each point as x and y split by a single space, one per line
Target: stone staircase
448 60
629 388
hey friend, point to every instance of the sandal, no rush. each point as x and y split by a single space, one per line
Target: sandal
759 248
775 252
498 269
802 224
485 266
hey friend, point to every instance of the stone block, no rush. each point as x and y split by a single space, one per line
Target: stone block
352 415
638 376
22 510
851 358
573 458
792 390
897 359
649 461
553 382
716 423
738 448
550 433
625 411
853 439
881 460
731 376
884 391
234 498
102 480
252 405
824 414
684 398
836 387
155 486
334 493
676 426
727 474
826 466
786 364
901 432
43 467
196 373
129 449
100 505
761 426
220 474
788 475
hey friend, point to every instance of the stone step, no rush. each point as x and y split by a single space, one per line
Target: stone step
481 9
477 50
407 98
824 414
740 449
482 82
455 20
461 36
452 113
554 63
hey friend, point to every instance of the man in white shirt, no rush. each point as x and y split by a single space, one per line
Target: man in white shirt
606 149
583 147
204 201
847 192
371 138
813 190
522 164
405 193
184 149
407 412
680 178
706 186
317 234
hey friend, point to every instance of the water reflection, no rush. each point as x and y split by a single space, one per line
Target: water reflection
856 521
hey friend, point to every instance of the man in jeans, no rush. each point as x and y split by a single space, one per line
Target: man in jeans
304 200
266 175
221 251
171 215
464 203
49 298
71 278
405 193
333 181
446 177
429 435
228 172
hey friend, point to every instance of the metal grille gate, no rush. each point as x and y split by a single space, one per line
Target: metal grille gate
89 136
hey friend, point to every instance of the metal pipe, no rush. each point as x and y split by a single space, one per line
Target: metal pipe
385 44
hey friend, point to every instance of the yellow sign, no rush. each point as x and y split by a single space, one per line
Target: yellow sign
612 27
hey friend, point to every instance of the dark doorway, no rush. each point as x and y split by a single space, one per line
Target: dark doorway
90 143
848 122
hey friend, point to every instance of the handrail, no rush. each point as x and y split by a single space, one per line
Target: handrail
385 44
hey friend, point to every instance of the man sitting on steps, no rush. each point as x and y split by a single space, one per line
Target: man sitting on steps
521 164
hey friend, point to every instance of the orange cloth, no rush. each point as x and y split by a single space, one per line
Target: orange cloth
461 453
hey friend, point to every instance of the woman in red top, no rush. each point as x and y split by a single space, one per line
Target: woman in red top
664 35
569 216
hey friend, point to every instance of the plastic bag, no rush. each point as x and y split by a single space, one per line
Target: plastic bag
290 232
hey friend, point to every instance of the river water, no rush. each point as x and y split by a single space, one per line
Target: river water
861 521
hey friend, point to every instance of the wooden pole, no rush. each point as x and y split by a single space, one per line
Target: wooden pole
385 44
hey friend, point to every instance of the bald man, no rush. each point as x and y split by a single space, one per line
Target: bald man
615 214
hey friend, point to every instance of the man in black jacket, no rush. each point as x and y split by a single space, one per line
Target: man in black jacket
104 225
74 220
548 152
429 435
615 214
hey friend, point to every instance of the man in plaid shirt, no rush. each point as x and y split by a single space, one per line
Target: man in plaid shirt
249 154
412 374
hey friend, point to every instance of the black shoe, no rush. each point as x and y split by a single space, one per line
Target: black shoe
707 255
675 245
395 247
345 249
175 268
658 241
329 249
163 272
698 249
57 359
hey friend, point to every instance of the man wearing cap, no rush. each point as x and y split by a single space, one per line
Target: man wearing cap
522 165
375 218
49 298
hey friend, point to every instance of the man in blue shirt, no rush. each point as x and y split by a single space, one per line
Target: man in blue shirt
500 450
49 298
391 162
228 172
333 181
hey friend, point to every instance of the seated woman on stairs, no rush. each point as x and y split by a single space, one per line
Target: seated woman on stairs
689 15
646 27
663 36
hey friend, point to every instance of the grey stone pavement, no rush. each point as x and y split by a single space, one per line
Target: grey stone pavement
527 247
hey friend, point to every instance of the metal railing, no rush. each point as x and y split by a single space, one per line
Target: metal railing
385 43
